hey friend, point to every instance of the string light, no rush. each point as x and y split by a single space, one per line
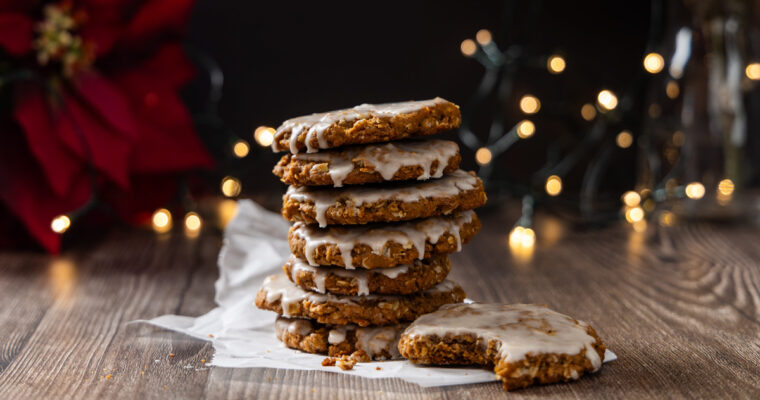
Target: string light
555 64
483 37
631 198
695 190
60 224
672 89
468 47
522 237
241 148
667 218
726 187
193 223
264 135
640 226
753 71
634 214
162 220
679 138
525 129
653 63
530 104
483 156
553 185
588 112
231 186
607 99
624 139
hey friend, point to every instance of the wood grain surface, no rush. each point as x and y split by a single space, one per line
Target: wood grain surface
680 306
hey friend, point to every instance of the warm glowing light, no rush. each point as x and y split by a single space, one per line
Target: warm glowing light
726 187
607 99
264 135
553 185
624 139
667 218
631 198
695 190
241 148
468 47
653 63
231 186
483 37
522 237
525 129
60 223
634 214
226 210
640 226
483 156
679 138
192 222
753 71
555 64
672 89
162 220
530 104
588 112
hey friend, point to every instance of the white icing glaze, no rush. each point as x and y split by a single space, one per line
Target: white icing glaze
315 125
387 158
279 287
338 334
295 325
521 329
360 277
378 237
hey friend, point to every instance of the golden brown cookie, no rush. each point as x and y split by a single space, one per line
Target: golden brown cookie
284 297
366 123
526 343
382 245
377 342
404 279
397 161
458 191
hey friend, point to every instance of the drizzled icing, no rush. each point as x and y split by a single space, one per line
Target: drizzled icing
355 197
413 234
361 277
520 329
315 125
279 287
386 159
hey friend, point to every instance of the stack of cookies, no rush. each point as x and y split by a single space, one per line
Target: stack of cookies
375 214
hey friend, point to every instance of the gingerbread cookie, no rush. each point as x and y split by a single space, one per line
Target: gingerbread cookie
397 161
458 191
284 297
382 245
366 123
403 279
376 342
526 343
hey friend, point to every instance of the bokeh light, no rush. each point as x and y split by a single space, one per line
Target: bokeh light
654 63
553 185
483 156
162 220
624 139
530 104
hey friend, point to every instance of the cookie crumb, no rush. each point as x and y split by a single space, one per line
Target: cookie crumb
329 362
360 356
346 364
109 376
211 335
171 355
166 387
203 360
378 368
142 373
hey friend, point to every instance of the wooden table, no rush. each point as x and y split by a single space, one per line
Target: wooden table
680 306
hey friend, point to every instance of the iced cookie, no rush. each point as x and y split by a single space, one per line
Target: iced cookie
382 245
404 279
399 161
366 123
377 342
458 191
526 343
284 297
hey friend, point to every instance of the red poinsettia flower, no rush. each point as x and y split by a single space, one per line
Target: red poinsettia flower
93 87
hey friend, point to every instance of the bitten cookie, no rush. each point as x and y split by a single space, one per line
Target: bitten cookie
366 123
526 343
398 161
377 342
405 279
284 297
382 245
458 191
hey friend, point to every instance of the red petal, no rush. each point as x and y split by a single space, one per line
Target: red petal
156 18
107 101
16 33
58 163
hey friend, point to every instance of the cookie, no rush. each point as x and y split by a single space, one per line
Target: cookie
366 123
526 343
382 245
399 161
377 342
284 297
458 191
405 279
